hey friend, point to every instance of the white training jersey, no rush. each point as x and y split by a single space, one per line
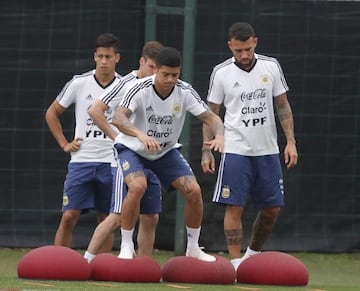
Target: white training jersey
249 120
162 119
113 97
82 90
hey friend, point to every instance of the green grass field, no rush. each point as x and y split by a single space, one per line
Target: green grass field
330 272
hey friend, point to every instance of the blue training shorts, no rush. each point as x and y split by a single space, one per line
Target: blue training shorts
88 186
151 201
167 168
240 176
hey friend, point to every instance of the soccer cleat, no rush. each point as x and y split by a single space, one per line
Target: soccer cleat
126 253
197 253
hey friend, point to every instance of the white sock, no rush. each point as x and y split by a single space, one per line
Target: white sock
127 238
193 235
89 257
249 252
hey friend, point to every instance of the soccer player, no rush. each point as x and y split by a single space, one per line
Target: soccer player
157 107
151 202
88 182
249 85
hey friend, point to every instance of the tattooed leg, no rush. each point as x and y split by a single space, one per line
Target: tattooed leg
263 226
233 230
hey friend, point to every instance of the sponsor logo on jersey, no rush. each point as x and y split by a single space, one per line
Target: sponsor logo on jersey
149 108
225 193
166 119
236 85
89 97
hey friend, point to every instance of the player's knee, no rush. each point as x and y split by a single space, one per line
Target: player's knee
70 217
270 212
137 187
194 193
149 221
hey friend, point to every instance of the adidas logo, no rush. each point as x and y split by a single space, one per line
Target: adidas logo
236 85
149 108
89 97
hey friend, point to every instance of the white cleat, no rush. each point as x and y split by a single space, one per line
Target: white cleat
126 253
197 253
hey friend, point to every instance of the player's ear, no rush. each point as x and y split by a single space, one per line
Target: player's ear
118 57
255 42
141 61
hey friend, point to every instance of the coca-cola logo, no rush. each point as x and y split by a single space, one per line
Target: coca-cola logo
257 94
166 119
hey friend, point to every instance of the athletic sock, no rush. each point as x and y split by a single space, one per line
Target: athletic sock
127 238
249 252
193 235
89 257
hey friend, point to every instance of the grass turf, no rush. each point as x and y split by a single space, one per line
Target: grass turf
328 272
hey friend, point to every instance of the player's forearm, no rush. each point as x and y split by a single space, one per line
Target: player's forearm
212 126
101 121
55 127
286 119
122 122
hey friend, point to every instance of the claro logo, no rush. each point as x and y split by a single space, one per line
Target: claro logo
166 119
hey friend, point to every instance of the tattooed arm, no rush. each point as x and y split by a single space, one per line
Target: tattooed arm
285 116
216 127
212 127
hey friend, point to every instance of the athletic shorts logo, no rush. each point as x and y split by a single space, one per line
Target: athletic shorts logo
65 200
125 165
225 193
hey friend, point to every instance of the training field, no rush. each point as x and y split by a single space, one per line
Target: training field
330 272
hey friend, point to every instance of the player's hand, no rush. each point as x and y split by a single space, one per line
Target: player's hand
151 144
217 144
290 155
207 161
73 146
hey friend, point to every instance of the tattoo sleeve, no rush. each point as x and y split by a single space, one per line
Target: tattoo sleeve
212 124
121 121
285 116
262 228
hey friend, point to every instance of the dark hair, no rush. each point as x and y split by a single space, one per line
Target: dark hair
108 40
151 49
241 31
168 56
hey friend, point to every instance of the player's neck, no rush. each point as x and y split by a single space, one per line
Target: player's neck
104 79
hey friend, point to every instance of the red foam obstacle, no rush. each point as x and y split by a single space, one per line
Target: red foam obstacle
182 269
273 268
108 267
54 263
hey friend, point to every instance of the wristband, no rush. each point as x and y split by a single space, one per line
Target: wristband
64 145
